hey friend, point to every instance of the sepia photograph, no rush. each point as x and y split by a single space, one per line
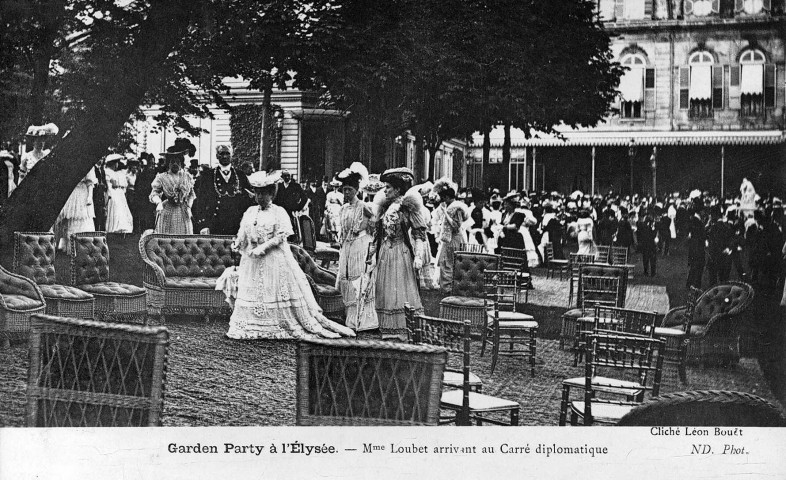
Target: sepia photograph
291 213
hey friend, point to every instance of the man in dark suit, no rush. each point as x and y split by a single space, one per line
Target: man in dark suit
223 195
292 198
697 238
320 199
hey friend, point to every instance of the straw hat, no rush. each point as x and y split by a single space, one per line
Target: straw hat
263 179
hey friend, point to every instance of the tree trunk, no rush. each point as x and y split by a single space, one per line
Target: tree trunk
502 183
34 206
433 148
51 14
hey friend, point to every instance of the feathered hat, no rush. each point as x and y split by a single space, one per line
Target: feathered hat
50 129
355 176
401 177
374 184
263 179
443 185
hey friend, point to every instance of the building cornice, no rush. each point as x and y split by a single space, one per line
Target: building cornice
692 24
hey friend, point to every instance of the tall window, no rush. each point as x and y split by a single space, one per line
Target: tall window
752 7
697 88
632 87
752 83
701 8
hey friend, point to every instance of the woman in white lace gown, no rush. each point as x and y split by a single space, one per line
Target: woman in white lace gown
118 215
78 212
585 237
274 299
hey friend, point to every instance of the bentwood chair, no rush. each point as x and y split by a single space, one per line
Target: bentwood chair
354 382
467 299
20 298
34 258
637 355
603 255
619 257
468 403
553 264
705 408
574 269
84 373
445 333
510 333
119 302
515 260
472 248
674 330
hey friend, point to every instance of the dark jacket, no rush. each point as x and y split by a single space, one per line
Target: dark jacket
220 204
698 237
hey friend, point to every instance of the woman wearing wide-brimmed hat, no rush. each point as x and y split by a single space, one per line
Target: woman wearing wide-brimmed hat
354 280
173 193
38 135
399 240
274 299
118 214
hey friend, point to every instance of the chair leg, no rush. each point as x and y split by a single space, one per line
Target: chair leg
494 356
532 350
483 341
6 341
563 408
574 419
514 417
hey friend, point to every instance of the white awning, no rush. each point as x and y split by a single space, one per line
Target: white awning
654 138
752 79
700 82
318 114
632 85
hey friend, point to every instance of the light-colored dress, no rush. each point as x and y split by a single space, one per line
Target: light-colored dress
118 215
396 282
452 238
585 237
354 282
529 243
174 193
78 212
274 299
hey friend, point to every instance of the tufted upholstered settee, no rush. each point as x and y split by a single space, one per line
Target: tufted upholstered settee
467 299
114 302
714 325
34 258
20 298
323 285
181 273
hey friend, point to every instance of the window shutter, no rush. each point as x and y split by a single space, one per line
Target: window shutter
688 7
648 8
734 87
717 87
649 89
715 6
684 87
606 9
738 5
769 85
619 10
766 5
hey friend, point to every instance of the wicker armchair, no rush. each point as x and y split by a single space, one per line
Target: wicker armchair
714 326
114 301
20 298
467 296
84 373
181 272
352 382
705 408
323 285
34 258
640 355
322 252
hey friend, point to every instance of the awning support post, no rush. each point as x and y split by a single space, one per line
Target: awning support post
592 178
723 169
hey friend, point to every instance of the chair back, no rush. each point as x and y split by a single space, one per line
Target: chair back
548 252
34 256
708 408
468 271
576 260
471 248
452 335
310 267
354 382
603 255
188 255
501 290
626 320
621 351
729 298
308 234
601 285
89 258
619 255
513 259
84 373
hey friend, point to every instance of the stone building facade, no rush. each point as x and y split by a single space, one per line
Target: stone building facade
701 106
